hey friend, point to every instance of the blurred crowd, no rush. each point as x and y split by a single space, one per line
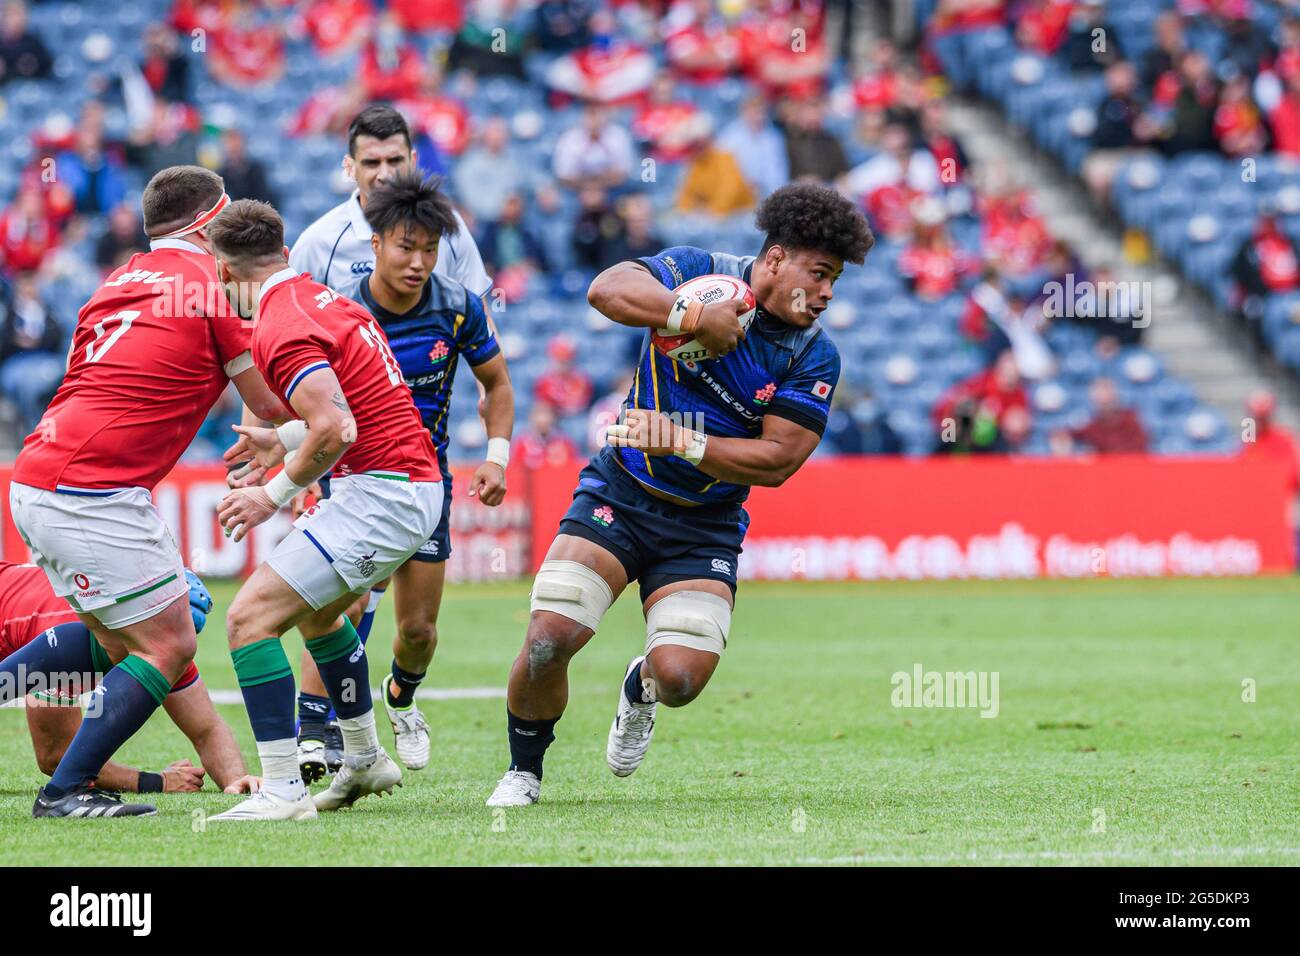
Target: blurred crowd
675 112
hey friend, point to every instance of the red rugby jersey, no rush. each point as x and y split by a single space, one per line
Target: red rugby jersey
302 327
152 351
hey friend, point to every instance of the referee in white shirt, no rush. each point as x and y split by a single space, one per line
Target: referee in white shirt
336 247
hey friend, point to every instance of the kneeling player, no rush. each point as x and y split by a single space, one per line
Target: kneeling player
662 503
325 357
30 610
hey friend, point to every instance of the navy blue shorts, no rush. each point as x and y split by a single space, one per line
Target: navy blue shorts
438 547
657 542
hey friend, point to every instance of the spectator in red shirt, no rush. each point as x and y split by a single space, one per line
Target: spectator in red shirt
1043 25
165 68
1266 263
1270 441
562 386
542 443
1285 119
932 265
27 231
244 49
420 16
701 45
989 411
666 123
391 69
338 27
1238 126
1113 429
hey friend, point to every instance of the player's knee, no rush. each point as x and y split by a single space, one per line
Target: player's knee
419 635
552 641
241 624
677 685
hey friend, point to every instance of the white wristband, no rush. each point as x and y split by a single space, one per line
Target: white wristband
498 451
694 450
292 434
282 488
677 313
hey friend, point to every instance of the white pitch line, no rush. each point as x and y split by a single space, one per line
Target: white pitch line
220 696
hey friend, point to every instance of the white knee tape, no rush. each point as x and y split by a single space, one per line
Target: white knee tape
571 589
695 619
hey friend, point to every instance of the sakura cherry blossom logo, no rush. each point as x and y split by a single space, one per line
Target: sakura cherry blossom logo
603 516
764 394
439 352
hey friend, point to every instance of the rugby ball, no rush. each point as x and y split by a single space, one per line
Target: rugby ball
706 290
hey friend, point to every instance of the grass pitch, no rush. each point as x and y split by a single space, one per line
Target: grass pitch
1122 737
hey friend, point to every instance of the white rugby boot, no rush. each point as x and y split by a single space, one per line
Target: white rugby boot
518 788
410 731
629 735
265 805
355 780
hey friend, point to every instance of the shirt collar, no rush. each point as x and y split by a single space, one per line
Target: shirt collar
358 216
284 275
156 244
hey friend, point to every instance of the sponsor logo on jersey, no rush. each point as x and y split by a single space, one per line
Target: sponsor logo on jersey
721 566
139 275
721 391
325 297
603 516
429 379
764 395
81 580
822 390
439 352
362 267
673 270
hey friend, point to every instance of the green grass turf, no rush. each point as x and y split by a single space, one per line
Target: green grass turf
1116 697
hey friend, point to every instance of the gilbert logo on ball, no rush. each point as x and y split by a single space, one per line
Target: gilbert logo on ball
706 290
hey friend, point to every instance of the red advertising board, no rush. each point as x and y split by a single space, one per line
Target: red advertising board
869 519
992 517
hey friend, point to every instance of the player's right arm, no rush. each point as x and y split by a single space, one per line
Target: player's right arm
319 402
629 294
52 728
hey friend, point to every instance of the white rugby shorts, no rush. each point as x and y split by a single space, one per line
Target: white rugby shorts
364 531
108 553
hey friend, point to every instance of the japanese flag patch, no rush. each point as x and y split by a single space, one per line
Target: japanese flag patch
821 390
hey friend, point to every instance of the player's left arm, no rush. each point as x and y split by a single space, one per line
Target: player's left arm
476 340
497 408
192 712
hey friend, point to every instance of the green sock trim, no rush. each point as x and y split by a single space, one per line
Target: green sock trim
150 678
260 663
336 644
99 661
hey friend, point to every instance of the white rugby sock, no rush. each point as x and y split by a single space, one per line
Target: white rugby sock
360 739
280 772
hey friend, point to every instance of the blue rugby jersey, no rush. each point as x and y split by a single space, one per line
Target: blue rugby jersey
777 370
427 342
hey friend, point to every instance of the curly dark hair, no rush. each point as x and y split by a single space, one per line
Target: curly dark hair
814 218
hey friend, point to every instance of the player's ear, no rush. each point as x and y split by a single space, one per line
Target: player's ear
374 243
284 251
349 168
